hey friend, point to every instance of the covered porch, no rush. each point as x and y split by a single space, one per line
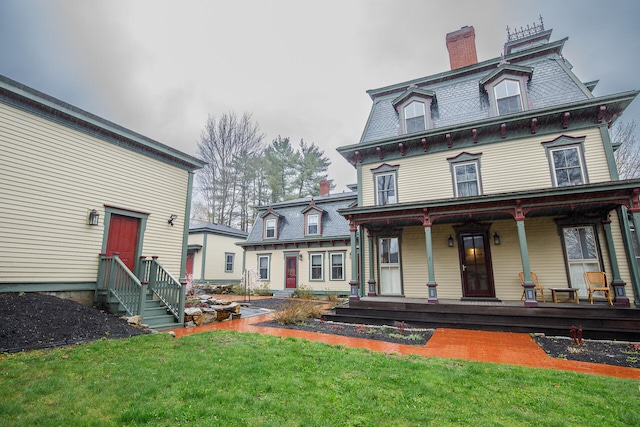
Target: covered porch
472 250
597 321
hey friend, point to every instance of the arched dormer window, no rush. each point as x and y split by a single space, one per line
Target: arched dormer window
508 98
414 110
507 89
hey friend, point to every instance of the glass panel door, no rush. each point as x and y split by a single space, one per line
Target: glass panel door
582 255
390 281
475 265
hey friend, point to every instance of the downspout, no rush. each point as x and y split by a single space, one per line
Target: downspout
185 229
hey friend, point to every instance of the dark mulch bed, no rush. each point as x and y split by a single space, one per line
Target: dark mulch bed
606 352
30 321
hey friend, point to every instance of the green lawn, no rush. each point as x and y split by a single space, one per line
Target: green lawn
232 379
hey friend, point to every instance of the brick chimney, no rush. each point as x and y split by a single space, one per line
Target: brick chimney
461 45
325 187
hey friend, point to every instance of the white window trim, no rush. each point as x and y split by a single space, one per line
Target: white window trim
524 94
562 143
342 255
226 263
495 95
268 257
461 160
311 256
317 224
405 118
266 228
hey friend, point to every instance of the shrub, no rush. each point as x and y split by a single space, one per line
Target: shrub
293 312
303 292
263 289
237 289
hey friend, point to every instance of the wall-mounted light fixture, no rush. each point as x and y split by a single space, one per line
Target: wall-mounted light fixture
171 219
496 239
94 217
450 241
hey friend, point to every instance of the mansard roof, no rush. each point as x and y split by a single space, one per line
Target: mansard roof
291 219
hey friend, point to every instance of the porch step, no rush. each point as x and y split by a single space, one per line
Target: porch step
286 293
598 322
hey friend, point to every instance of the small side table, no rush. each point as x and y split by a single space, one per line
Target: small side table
573 294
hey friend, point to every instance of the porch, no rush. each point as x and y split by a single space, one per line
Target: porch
598 321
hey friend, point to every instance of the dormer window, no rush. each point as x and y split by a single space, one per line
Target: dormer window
312 223
507 89
270 228
508 97
312 219
414 109
414 117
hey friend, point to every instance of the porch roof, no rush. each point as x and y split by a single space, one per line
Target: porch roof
590 199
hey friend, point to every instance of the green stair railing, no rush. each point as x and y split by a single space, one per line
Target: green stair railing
164 286
116 279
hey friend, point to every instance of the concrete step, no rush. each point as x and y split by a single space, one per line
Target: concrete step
286 293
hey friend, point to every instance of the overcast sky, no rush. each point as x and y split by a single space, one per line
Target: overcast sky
300 67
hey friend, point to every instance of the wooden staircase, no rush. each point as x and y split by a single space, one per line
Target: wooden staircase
155 314
597 321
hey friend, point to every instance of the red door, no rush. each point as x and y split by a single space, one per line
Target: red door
123 238
291 271
189 266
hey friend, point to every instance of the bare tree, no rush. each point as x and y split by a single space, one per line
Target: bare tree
624 136
224 145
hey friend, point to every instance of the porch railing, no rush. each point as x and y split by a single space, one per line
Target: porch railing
164 286
116 278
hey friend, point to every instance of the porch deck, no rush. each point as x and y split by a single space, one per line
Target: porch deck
598 321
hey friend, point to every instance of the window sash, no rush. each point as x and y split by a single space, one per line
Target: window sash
466 179
582 254
263 267
228 267
508 97
270 228
567 166
316 266
312 224
337 266
386 188
414 116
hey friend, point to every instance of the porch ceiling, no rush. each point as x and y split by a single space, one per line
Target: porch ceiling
594 200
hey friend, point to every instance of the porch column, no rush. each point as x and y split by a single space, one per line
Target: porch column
530 296
635 218
634 268
618 285
354 262
431 282
372 277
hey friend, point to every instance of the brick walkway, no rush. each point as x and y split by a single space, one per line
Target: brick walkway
493 347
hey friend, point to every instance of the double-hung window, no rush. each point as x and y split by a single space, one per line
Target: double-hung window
264 266
312 223
317 266
508 97
337 265
228 262
566 160
386 188
270 228
465 174
414 117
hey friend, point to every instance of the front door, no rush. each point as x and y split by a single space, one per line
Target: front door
475 265
291 262
123 238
